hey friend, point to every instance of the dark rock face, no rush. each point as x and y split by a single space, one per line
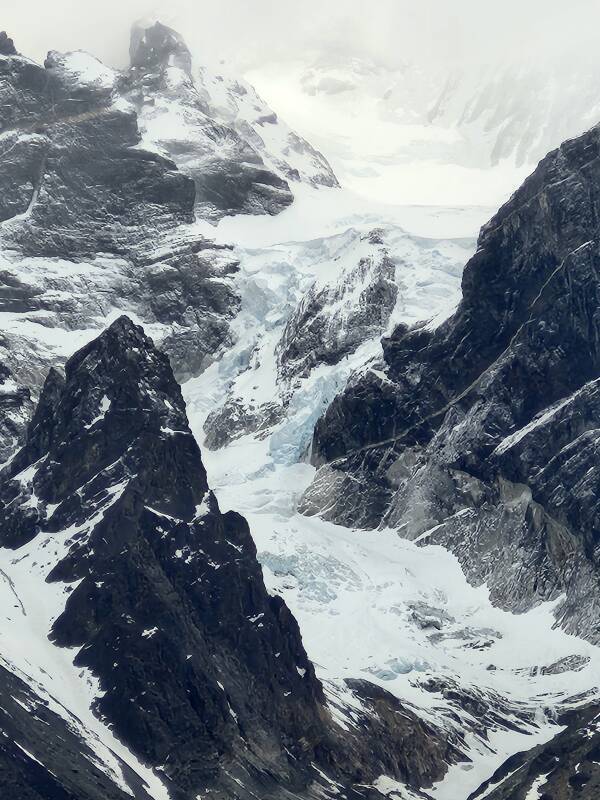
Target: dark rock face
7 46
157 47
15 410
89 189
487 426
566 768
331 321
203 673
229 175
234 419
92 225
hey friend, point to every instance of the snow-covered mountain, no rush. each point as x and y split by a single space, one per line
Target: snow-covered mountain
408 607
425 132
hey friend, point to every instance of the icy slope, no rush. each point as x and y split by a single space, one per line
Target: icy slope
236 103
371 605
313 311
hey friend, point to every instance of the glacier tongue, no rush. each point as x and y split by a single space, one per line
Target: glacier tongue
313 311
371 605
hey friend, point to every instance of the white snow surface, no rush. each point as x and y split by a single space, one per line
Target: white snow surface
424 133
361 597
87 70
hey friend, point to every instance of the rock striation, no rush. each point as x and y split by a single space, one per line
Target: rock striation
482 434
202 673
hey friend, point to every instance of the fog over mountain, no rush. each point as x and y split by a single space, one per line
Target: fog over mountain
391 30
299 400
428 103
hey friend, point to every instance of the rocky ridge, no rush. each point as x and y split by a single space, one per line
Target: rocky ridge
566 768
97 215
481 435
200 672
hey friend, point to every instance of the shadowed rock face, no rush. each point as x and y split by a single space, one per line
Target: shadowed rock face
80 184
486 429
332 321
156 47
203 673
92 225
229 175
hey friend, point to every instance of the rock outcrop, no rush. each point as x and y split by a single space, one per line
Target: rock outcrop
482 434
333 319
201 672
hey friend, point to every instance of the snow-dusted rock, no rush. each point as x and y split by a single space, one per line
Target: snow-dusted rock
229 174
236 103
333 320
482 436
565 768
314 311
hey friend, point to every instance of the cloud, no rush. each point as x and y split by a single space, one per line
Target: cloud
245 32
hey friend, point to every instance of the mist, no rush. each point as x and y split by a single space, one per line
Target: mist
244 33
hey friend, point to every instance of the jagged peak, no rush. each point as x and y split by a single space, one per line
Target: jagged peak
122 339
124 364
121 372
7 46
158 46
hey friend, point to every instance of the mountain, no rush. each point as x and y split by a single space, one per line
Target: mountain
228 173
123 553
218 131
408 606
235 102
481 435
100 203
422 130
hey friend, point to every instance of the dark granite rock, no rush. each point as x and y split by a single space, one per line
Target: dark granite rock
203 673
7 46
156 47
495 414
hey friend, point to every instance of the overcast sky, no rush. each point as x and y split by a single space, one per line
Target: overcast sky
245 31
